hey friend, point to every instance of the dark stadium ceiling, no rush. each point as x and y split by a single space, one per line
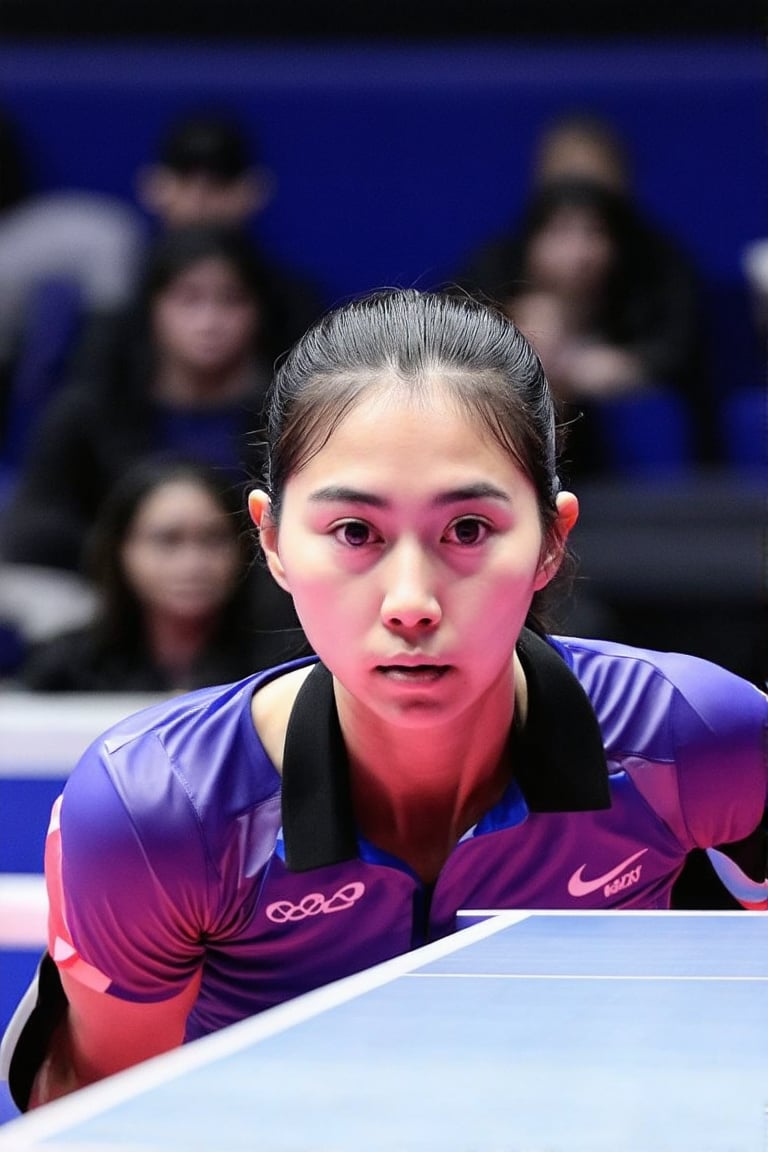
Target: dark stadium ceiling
379 19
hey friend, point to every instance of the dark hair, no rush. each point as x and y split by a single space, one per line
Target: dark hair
120 615
208 141
178 249
612 208
408 336
590 125
629 269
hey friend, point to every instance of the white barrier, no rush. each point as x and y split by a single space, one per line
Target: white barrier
44 735
23 911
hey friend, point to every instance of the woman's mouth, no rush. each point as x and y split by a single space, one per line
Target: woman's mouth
413 673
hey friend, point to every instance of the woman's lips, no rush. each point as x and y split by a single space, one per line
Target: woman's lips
413 673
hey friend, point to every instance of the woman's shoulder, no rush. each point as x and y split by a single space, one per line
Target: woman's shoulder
271 707
199 749
217 733
647 697
679 668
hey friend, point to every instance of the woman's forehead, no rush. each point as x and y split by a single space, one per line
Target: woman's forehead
208 269
390 404
387 393
408 435
180 494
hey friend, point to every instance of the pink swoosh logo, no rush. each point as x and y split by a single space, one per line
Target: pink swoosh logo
578 887
753 894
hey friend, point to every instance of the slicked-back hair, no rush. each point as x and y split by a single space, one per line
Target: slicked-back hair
413 343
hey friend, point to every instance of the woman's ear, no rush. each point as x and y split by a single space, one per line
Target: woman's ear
260 510
567 515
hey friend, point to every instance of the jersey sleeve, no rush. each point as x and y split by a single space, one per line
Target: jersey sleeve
128 875
721 732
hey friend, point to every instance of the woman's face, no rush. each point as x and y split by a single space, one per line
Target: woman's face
412 546
571 254
204 320
181 554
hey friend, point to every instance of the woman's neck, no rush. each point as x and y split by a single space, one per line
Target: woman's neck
414 793
576 310
182 387
175 644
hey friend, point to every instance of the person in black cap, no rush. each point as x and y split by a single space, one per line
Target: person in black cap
207 172
204 173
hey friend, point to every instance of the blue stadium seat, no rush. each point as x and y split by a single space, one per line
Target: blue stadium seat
646 434
745 428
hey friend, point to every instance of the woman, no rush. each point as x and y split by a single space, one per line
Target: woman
259 841
187 373
580 277
169 564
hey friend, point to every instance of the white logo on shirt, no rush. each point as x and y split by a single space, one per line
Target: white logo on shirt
314 903
578 887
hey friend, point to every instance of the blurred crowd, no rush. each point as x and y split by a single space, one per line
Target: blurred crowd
136 344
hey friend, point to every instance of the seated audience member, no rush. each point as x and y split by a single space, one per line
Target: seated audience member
579 283
205 172
663 298
582 145
744 407
169 561
188 375
585 146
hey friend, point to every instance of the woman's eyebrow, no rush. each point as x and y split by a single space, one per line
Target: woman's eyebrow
482 490
339 494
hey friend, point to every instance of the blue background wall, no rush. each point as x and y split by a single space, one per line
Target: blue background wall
393 162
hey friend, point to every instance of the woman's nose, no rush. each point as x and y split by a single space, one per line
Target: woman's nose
410 599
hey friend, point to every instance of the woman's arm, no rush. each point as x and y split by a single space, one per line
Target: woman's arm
102 1034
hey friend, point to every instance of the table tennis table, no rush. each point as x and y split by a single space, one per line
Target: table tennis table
522 1032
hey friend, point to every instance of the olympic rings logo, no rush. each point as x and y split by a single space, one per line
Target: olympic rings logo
283 911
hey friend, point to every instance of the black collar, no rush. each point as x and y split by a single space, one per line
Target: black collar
558 758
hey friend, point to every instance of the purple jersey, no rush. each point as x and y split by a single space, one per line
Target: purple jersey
180 846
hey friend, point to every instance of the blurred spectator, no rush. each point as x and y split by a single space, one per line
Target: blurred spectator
203 173
206 172
583 146
168 559
90 240
744 408
652 299
189 374
581 282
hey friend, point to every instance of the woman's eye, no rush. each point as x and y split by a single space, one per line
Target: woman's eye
354 533
469 530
